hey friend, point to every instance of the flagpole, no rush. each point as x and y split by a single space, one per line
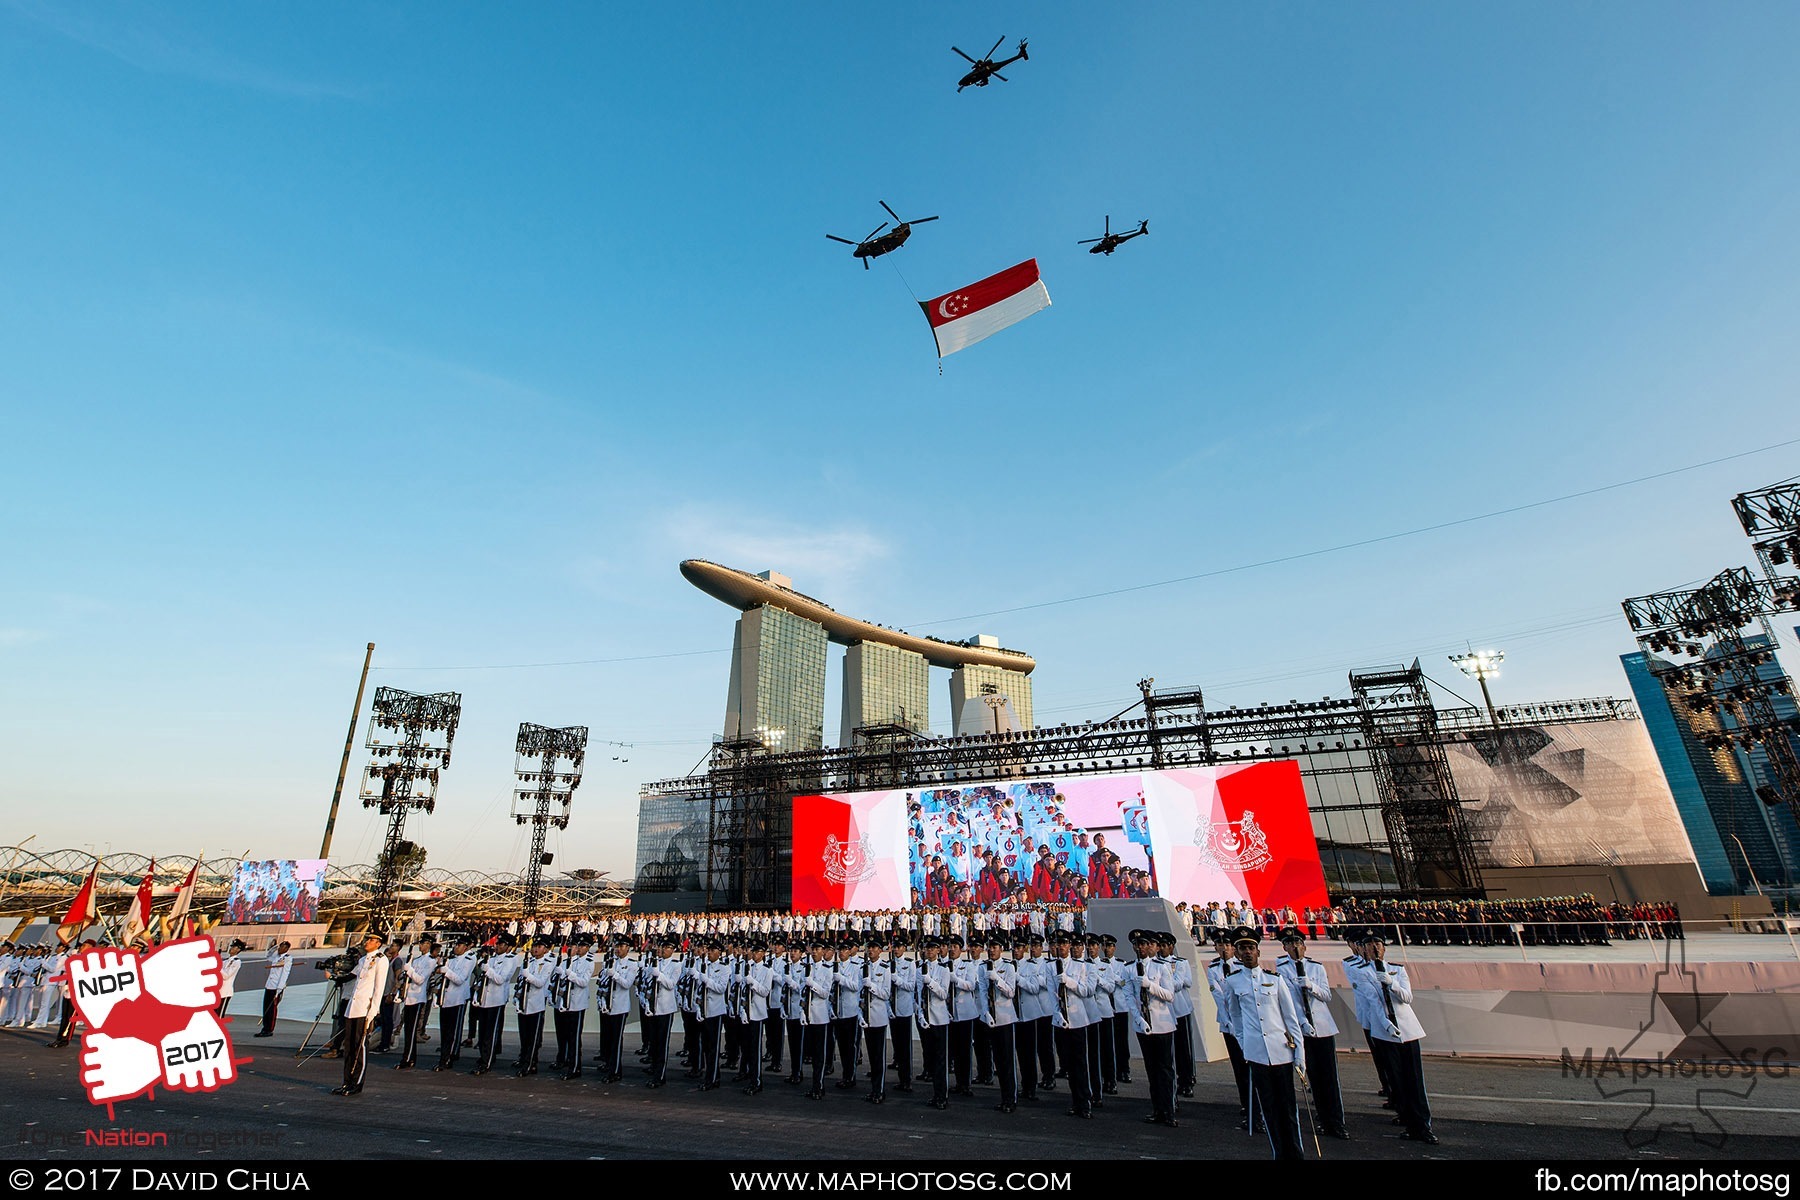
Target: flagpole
337 793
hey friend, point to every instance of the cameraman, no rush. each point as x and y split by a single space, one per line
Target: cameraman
370 985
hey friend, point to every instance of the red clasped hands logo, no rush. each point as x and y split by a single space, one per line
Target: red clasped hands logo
150 1020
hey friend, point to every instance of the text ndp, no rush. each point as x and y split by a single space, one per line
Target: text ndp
105 985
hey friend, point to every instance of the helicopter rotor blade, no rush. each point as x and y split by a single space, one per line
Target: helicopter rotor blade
890 212
1109 224
920 220
834 237
970 61
990 54
1000 77
1082 242
876 230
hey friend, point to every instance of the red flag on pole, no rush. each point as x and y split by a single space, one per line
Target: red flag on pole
183 898
137 919
83 912
961 318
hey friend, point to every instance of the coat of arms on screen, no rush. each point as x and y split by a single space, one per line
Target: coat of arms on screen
1233 845
847 861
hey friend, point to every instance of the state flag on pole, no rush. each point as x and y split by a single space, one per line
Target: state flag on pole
137 921
83 912
961 318
184 897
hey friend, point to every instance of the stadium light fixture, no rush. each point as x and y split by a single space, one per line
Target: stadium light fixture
1481 666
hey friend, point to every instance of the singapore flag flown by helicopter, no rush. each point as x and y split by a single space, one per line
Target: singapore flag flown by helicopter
965 316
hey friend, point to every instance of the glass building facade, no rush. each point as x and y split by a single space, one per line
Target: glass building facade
1727 825
885 685
972 681
777 691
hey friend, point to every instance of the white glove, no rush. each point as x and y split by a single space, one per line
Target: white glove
198 1058
115 1069
100 979
183 974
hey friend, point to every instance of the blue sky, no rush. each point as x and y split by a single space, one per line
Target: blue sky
455 327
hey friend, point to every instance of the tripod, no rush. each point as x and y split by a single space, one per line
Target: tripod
332 994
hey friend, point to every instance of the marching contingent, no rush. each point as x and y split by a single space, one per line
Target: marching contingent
1023 1012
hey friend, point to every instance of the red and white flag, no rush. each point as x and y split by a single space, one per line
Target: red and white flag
137 920
83 912
176 921
961 318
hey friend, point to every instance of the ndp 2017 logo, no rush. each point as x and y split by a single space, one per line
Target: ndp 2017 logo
150 1020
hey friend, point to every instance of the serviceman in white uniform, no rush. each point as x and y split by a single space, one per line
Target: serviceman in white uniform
1397 1033
418 970
1267 1026
368 983
1307 981
456 980
280 966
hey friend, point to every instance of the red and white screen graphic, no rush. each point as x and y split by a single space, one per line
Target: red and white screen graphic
1237 833
850 851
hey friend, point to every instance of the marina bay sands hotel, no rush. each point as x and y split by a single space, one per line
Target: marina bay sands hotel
777 693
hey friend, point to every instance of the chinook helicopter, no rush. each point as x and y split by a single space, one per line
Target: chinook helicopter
878 243
1112 241
986 68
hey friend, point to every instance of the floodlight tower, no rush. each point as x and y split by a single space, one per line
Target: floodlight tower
548 764
1481 666
409 745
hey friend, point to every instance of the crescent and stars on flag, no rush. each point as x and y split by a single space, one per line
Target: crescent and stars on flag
978 311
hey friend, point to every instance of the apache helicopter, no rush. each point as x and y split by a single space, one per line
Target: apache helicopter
873 246
1112 241
986 67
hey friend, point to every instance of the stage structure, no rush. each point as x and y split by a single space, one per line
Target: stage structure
1386 812
548 764
1727 684
409 746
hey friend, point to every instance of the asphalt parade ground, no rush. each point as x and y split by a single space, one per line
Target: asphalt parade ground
280 1109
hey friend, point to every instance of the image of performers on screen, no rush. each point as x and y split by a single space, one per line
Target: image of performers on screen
994 844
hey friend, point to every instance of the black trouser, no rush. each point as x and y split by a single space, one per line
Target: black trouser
710 1030
961 1033
733 1030
1184 1053
1121 1031
1407 1070
775 1037
1384 1072
531 1037
935 1039
1276 1108
1092 1032
752 1048
875 1041
817 1037
487 1035
336 1040
690 1041
65 1029
1006 1067
843 1032
1159 1064
612 1044
1240 1070
1071 1047
796 1036
1046 1049
902 1030
1024 1049
271 1002
568 1039
656 1037
385 1022
411 1017
1321 1077
982 1038
450 1024
356 1051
